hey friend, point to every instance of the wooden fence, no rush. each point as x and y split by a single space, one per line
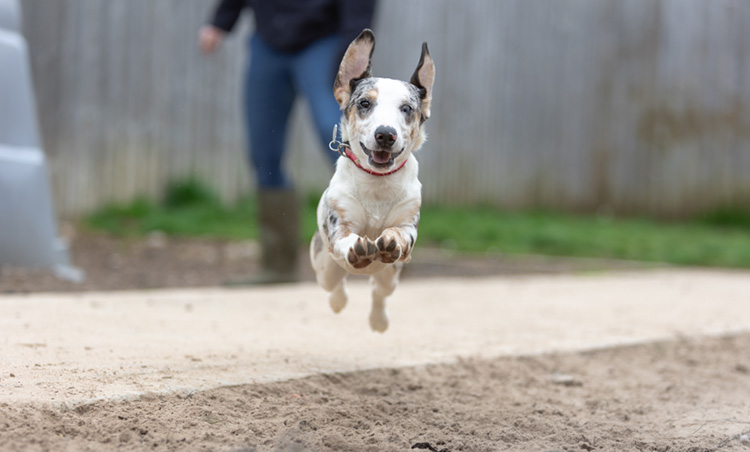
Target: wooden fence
637 106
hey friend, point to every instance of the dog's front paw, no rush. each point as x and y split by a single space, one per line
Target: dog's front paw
389 250
362 253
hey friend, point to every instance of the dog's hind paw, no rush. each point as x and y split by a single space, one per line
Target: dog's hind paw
378 320
337 299
362 253
388 249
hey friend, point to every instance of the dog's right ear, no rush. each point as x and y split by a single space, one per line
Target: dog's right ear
355 66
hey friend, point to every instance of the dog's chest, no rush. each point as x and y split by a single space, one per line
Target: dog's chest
373 215
371 204
376 218
372 211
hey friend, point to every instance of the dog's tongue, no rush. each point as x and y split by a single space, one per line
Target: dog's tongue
381 156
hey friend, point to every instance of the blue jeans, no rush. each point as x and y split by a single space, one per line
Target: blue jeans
272 82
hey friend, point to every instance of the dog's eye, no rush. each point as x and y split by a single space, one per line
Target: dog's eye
406 109
364 104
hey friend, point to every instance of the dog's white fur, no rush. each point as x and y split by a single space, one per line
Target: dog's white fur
367 224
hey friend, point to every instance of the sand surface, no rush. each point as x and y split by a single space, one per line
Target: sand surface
467 364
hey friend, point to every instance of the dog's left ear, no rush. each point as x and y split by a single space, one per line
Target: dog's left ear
423 78
355 66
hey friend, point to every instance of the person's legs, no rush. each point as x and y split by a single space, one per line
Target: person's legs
313 75
269 96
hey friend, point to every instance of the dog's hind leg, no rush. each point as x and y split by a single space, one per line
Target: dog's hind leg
338 297
330 276
383 284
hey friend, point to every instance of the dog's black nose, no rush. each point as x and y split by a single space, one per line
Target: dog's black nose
385 136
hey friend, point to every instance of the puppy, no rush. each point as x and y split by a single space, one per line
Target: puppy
368 215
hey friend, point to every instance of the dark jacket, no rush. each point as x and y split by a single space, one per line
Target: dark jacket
291 25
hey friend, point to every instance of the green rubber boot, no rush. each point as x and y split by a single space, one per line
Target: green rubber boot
278 218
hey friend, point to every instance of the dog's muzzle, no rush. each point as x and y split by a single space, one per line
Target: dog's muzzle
380 158
343 149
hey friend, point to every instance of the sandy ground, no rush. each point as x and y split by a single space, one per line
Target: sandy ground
503 363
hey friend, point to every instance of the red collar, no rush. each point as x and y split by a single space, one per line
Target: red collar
355 160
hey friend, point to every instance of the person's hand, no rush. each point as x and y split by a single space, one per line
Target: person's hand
210 39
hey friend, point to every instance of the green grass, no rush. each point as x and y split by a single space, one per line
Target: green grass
188 209
488 230
721 238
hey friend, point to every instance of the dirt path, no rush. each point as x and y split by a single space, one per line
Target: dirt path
687 395
479 364
79 347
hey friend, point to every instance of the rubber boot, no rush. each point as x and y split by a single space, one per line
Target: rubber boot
278 218
278 215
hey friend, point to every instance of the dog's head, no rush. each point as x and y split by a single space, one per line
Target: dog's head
383 118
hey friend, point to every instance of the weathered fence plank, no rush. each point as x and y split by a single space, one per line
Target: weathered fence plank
637 106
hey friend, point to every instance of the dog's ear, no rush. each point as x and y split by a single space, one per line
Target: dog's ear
355 66
423 78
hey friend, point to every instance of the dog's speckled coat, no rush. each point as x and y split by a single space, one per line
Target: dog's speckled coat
368 215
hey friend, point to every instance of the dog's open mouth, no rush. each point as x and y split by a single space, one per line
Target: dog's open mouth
380 159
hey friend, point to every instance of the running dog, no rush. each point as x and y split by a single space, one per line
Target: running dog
368 215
